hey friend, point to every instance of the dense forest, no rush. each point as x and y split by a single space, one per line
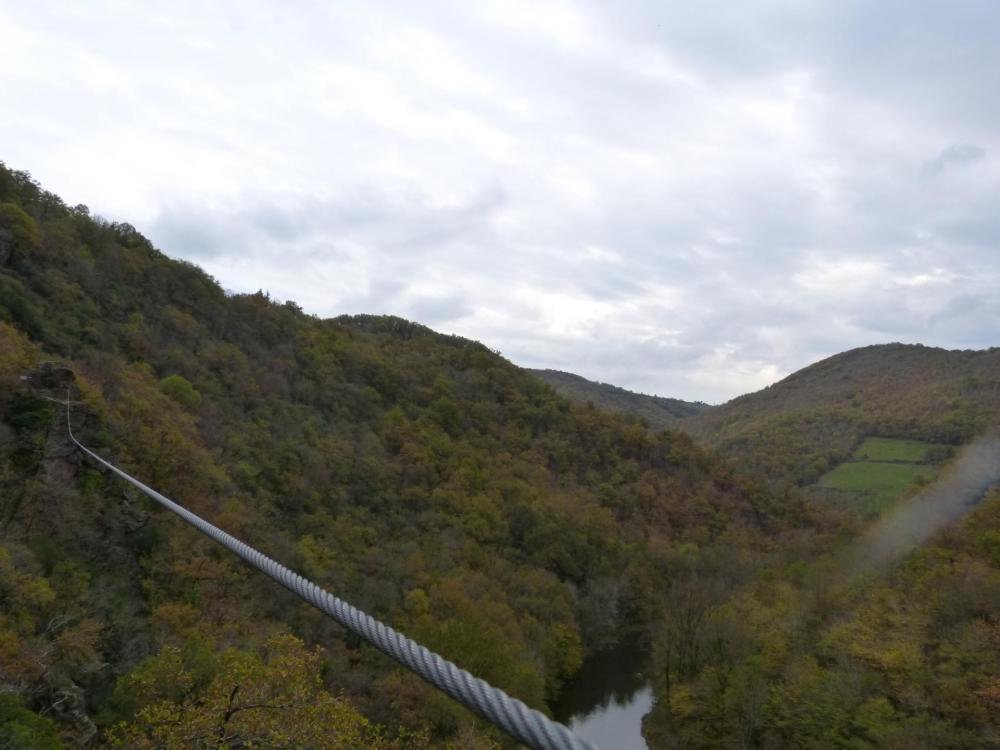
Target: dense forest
878 643
421 477
657 411
836 650
798 428
424 478
791 432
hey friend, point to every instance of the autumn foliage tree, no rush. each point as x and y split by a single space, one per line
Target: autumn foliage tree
194 698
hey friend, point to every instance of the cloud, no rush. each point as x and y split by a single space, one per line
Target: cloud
685 199
957 154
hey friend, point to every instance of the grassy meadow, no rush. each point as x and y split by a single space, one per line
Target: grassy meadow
891 449
879 472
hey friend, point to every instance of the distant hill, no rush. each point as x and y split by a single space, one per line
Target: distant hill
660 412
811 420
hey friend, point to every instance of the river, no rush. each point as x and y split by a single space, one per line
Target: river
606 700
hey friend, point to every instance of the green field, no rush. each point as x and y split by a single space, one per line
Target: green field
878 473
874 485
890 449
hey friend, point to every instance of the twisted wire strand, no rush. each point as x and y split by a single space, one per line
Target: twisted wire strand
525 724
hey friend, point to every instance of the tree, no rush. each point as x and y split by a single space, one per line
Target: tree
180 390
20 729
18 233
184 698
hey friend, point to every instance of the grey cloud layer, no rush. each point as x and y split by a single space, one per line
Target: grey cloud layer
688 199
956 154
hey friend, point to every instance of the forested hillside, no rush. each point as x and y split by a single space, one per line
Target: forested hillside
421 477
823 655
798 428
424 478
876 640
883 641
657 411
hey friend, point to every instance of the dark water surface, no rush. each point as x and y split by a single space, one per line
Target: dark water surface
607 699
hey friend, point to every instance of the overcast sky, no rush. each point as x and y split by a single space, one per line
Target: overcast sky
690 199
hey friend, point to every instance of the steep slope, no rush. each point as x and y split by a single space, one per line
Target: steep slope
799 427
876 642
657 411
910 659
420 476
863 645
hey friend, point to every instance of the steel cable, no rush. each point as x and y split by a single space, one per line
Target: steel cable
525 724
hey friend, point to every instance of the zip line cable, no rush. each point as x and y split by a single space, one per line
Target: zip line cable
523 723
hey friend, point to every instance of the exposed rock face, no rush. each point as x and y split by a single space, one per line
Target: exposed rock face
69 704
60 460
51 376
